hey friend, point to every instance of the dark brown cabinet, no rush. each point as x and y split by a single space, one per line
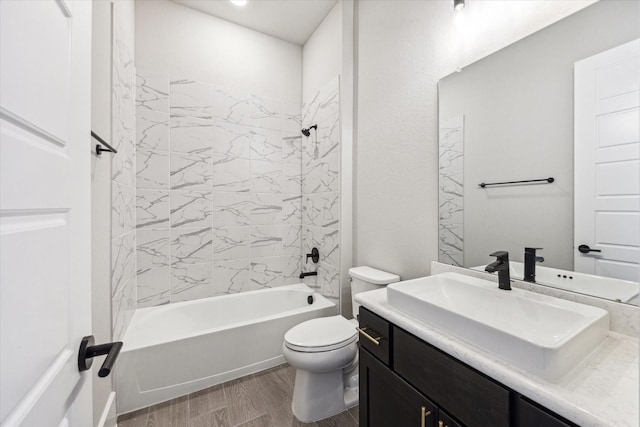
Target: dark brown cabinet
406 382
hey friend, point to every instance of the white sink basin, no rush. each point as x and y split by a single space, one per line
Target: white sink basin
540 334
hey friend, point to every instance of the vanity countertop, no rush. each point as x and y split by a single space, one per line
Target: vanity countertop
601 391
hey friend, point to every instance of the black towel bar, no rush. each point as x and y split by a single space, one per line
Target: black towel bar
99 148
547 180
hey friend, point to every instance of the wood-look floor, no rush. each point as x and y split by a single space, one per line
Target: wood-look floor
258 400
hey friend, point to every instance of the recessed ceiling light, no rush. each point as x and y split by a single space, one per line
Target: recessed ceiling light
239 2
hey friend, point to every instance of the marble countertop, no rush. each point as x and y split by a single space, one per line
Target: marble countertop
601 391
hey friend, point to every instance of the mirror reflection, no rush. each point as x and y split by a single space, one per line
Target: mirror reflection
558 109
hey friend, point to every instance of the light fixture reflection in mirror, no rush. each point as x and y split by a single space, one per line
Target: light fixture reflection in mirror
238 2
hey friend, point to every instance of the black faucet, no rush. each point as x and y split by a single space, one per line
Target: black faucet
502 267
310 273
530 259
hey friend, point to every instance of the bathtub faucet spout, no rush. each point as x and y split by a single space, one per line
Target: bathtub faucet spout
310 273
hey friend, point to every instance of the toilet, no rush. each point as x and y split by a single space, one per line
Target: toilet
324 352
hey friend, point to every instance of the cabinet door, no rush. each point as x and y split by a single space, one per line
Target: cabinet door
530 415
444 420
386 400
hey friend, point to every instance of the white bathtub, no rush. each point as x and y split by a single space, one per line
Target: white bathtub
175 349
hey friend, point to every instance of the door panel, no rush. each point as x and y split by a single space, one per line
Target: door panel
607 170
44 211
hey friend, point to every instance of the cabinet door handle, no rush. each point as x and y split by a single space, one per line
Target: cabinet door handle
424 414
376 341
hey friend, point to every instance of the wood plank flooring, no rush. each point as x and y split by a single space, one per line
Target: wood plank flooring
258 400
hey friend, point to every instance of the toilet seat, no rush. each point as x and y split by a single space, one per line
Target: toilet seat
321 334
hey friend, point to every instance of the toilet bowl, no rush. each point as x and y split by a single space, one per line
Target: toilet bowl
324 352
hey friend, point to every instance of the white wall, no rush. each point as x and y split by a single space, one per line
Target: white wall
330 52
178 41
404 47
321 54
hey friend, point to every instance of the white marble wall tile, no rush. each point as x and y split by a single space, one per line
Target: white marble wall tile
191 245
189 98
123 305
152 171
321 142
292 240
322 209
451 191
122 209
245 109
231 209
152 209
324 105
189 282
329 280
266 144
266 241
231 141
292 149
123 162
327 240
191 208
153 249
291 178
154 287
292 209
291 119
231 175
123 167
266 177
266 272
231 243
266 209
191 135
152 91
123 261
231 276
152 130
291 269
321 175
190 172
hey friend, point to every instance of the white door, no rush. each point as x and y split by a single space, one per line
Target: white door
45 306
607 149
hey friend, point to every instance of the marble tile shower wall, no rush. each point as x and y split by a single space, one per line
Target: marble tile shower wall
123 230
451 192
218 191
321 187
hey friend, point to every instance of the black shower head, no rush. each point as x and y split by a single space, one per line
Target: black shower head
307 131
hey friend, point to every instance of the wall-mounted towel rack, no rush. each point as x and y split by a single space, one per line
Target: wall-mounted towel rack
99 147
526 181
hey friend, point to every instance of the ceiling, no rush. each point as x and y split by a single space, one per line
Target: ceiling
290 20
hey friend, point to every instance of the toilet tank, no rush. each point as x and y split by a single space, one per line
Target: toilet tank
367 279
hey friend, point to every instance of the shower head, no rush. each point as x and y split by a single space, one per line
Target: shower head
307 131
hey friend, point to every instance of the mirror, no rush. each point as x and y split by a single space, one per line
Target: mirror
510 117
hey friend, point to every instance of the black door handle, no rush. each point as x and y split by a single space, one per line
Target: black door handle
585 249
88 351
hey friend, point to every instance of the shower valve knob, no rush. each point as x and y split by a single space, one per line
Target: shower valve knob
314 255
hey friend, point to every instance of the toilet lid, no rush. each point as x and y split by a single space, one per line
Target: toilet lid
322 334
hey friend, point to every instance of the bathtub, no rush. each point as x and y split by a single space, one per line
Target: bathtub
176 349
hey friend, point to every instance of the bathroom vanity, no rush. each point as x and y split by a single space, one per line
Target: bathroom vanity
414 375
